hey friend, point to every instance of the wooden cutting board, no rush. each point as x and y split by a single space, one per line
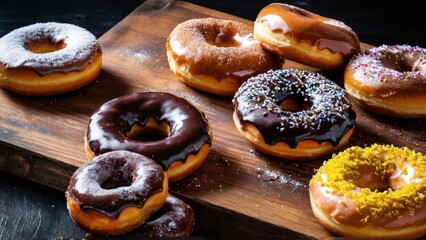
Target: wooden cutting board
237 191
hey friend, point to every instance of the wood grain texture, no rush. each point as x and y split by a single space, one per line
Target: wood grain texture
42 138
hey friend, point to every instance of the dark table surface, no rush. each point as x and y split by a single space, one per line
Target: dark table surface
31 211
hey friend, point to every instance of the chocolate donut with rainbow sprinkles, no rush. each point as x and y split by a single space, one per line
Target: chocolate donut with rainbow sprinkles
293 114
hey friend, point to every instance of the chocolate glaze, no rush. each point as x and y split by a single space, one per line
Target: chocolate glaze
188 127
305 26
330 115
86 184
173 220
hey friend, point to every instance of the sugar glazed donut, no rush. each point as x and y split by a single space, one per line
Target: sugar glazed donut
376 192
216 56
293 114
162 126
116 192
174 219
48 58
305 37
390 80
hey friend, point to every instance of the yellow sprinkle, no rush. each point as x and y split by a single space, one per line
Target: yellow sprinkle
343 176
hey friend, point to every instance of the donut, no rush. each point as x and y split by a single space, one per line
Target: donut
161 126
48 58
293 114
216 55
375 192
116 192
389 80
305 37
174 219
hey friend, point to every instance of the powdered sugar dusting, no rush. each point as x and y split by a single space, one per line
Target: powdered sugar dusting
79 50
143 175
270 175
93 174
170 221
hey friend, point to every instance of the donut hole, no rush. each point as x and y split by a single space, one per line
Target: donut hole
222 39
369 179
120 174
44 45
152 131
396 62
116 182
291 105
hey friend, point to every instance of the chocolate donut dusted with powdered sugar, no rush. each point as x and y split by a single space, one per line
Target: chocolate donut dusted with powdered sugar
116 192
174 219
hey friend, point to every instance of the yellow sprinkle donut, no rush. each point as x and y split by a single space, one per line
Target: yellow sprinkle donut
373 192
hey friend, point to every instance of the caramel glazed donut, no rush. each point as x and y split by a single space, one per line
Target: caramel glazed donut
216 56
48 58
305 37
377 192
293 114
183 135
390 80
116 192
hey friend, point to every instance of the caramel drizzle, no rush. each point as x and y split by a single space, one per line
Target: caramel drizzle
305 26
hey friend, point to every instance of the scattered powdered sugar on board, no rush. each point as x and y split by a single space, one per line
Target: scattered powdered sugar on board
143 56
276 176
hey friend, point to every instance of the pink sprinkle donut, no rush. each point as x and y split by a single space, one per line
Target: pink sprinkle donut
389 80
48 58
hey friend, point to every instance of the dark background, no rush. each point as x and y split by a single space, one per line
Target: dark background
31 211
375 21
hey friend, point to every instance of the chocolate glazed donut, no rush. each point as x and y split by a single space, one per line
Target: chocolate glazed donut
186 129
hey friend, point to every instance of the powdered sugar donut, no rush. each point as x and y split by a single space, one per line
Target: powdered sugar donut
390 80
48 58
